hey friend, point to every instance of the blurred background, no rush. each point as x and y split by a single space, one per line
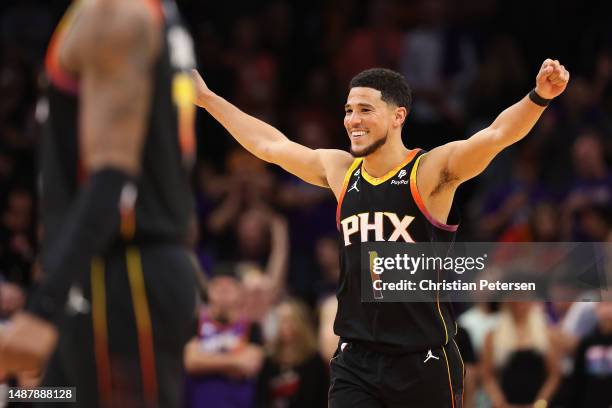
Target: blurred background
269 239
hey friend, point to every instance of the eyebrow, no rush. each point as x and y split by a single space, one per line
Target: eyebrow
359 104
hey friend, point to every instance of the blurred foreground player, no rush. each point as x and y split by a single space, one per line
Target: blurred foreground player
391 354
118 298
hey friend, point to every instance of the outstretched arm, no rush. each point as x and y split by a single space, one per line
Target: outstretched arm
322 167
451 164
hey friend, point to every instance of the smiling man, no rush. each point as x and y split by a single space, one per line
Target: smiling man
390 354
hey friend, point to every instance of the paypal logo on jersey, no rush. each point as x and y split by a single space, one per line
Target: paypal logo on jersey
360 223
399 182
400 175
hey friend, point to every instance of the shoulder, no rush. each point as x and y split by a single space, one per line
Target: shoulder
437 158
122 11
337 157
125 23
106 30
336 164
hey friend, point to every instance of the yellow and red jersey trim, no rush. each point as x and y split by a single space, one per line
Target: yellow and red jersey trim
379 180
347 177
58 75
421 204
156 9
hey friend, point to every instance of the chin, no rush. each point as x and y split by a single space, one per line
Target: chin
364 151
359 152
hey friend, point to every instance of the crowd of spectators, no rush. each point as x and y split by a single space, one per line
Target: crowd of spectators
265 239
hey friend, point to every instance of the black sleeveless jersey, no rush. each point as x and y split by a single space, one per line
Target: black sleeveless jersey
366 201
163 201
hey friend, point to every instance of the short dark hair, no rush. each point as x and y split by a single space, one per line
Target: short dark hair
392 85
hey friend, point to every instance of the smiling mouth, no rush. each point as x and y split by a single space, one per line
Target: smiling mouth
358 133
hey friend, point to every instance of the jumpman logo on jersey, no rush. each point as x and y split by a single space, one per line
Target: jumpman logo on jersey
430 356
354 186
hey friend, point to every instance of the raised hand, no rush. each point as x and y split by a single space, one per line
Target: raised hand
552 79
201 89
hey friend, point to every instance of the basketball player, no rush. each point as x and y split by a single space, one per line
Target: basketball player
391 354
118 298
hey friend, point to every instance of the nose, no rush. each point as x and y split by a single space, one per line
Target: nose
353 119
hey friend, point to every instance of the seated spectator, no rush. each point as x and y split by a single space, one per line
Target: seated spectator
17 238
591 190
543 225
519 362
508 205
293 375
259 298
479 320
224 358
592 379
327 256
327 260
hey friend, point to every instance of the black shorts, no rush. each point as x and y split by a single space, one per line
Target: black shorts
121 342
362 378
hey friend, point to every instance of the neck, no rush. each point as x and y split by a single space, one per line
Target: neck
230 315
286 354
387 157
520 320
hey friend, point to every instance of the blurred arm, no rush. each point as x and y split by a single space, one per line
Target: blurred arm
243 363
278 260
553 370
489 380
328 341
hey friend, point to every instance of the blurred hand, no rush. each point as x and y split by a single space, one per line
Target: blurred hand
552 79
29 379
12 298
20 244
248 362
279 226
26 342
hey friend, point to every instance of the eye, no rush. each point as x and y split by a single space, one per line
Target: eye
348 111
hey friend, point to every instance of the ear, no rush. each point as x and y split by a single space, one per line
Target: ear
399 116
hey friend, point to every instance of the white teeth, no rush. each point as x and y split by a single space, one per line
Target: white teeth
358 133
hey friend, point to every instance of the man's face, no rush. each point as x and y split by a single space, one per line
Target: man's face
224 292
367 120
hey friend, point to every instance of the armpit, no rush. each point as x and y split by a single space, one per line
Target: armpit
446 179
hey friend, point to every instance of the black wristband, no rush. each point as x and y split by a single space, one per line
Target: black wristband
537 99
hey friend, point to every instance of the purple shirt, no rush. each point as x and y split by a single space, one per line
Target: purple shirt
217 390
